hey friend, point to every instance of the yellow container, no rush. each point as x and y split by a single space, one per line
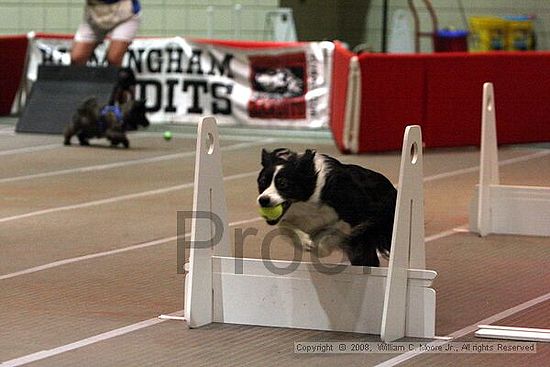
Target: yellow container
488 34
520 35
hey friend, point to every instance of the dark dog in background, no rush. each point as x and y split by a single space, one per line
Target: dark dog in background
111 122
329 204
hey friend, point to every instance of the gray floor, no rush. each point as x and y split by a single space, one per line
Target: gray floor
88 255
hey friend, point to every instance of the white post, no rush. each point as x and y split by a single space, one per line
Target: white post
210 22
407 249
237 21
209 228
488 172
352 114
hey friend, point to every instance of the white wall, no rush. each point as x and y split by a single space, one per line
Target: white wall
448 14
187 18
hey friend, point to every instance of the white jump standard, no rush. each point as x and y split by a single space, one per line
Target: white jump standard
394 302
505 209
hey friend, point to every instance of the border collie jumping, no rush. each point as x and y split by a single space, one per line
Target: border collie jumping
329 204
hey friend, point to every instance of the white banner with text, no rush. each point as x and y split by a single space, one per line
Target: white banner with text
240 83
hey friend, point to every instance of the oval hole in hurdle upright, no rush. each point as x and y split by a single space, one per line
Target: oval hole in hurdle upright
414 153
210 143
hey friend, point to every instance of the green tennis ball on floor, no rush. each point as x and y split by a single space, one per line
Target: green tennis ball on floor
272 213
167 135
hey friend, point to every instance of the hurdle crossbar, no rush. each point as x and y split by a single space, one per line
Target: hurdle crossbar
504 209
394 302
513 333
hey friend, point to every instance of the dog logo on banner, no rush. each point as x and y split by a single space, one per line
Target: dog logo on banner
279 85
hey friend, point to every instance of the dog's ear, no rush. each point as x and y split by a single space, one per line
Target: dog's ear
308 154
283 154
266 158
306 158
278 156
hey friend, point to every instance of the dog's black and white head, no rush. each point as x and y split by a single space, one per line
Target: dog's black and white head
286 178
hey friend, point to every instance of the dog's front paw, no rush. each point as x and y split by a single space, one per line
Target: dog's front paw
307 244
303 240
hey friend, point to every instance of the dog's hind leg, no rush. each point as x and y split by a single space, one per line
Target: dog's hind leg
117 137
362 255
363 242
125 142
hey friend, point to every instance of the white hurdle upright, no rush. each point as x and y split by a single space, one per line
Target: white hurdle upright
394 302
208 198
505 209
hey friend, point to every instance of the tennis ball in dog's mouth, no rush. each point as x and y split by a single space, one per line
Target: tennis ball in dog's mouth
272 212
167 135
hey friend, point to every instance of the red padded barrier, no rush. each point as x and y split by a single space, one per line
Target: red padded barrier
13 50
442 93
392 94
340 71
454 91
249 44
60 36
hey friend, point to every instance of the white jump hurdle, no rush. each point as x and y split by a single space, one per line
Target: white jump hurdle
394 302
504 209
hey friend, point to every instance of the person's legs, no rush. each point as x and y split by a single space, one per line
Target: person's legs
121 37
84 44
81 52
117 49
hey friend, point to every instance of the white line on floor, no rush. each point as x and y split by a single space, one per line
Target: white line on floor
467 330
247 174
115 199
193 136
444 234
84 342
127 163
476 168
121 331
8 130
72 260
162 241
127 329
30 149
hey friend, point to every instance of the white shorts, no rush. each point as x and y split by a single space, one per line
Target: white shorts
123 32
